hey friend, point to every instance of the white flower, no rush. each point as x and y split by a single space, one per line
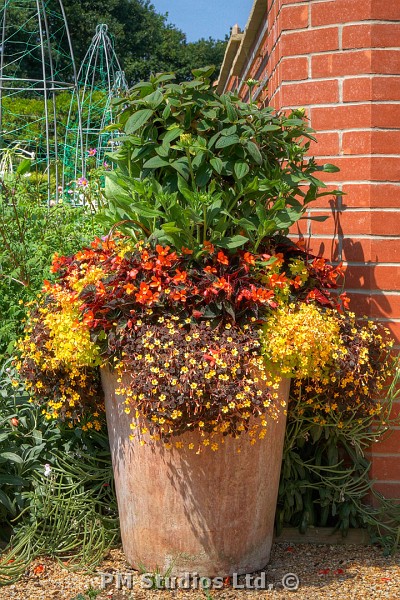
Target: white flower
47 470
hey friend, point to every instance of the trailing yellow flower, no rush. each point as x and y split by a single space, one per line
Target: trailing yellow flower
300 341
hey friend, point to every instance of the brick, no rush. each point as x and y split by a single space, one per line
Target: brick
374 304
341 63
306 42
386 467
385 116
341 117
313 92
374 195
327 144
371 142
385 11
371 88
388 490
356 63
339 11
294 17
371 35
344 11
371 250
351 223
374 277
389 444
294 69
329 248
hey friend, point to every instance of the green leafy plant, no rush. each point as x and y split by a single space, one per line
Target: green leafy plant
56 487
30 233
195 166
325 478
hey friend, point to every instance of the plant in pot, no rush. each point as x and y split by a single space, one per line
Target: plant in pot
175 306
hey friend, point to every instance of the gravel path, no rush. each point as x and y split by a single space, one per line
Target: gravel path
324 572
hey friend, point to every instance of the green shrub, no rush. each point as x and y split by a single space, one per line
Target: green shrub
30 233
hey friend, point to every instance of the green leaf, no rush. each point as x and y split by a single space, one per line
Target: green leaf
229 140
10 456
154 99
329 168
24 166
241 169
155 163
233 242
204 72
6 502
181 165
254 152
12 480
217 164
137 120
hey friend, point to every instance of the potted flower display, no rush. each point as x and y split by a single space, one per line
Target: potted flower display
198 309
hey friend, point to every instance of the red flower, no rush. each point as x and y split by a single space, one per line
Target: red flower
14 422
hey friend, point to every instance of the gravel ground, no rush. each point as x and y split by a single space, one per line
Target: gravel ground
324 572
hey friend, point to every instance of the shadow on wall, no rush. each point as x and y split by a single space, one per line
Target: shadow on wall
329 239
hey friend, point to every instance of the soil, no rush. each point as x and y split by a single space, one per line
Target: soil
323 572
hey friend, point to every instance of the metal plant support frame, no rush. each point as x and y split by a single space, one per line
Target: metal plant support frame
35 40
100 80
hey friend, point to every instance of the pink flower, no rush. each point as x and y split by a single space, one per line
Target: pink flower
82 182
92 151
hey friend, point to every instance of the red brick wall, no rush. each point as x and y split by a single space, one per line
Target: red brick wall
340 59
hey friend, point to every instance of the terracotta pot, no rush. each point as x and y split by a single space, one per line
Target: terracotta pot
210 513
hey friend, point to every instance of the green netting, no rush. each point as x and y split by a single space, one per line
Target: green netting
37 81
100 79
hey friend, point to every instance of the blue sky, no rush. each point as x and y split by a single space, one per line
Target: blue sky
205 18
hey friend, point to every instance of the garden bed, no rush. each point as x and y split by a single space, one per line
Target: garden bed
325 571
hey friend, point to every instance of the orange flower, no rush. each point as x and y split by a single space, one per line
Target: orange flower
155 283
319 264
345 300
130 288
209 247
180 276
186 250
249 258
223 284
222 258
210 269
297 282
145 295
279 259
278 280
179 295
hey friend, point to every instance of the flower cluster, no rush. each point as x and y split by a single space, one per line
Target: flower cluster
183 333
357 374
307 327
185 376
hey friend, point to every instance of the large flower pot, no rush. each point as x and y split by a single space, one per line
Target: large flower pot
210 513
